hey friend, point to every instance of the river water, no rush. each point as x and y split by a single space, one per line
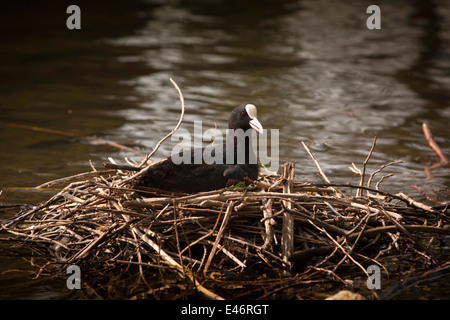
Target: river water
313 69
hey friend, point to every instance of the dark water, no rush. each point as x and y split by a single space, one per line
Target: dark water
312 68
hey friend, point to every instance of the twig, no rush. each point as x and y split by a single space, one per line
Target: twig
363 173
317 164
76 177
219 235
377 185
174 129
148 156
287 237
434 145
228 253
322 174
414 203
268 221
177 238
379 170
321 223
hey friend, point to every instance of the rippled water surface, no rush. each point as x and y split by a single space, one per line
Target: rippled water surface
312 68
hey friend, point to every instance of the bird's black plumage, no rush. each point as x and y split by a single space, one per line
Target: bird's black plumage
238 160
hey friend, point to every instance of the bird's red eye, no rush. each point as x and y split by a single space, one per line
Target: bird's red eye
243 113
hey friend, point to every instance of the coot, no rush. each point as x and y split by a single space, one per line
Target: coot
220 165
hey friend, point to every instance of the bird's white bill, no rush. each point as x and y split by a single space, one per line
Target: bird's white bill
255 124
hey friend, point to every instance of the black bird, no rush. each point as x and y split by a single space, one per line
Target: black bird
220 165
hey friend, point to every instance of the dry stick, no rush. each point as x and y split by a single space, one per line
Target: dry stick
199 197
141 271
332 273
414 203
150 202
76 177
363 173
324 177
177 238
268 221
148 156
287 237
317 164
443 160
229 254
434 145
323 224
399 196
379 170
375 210
226 195
219 235
174 129
377 185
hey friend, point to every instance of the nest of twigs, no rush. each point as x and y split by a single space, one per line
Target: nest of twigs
276 238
